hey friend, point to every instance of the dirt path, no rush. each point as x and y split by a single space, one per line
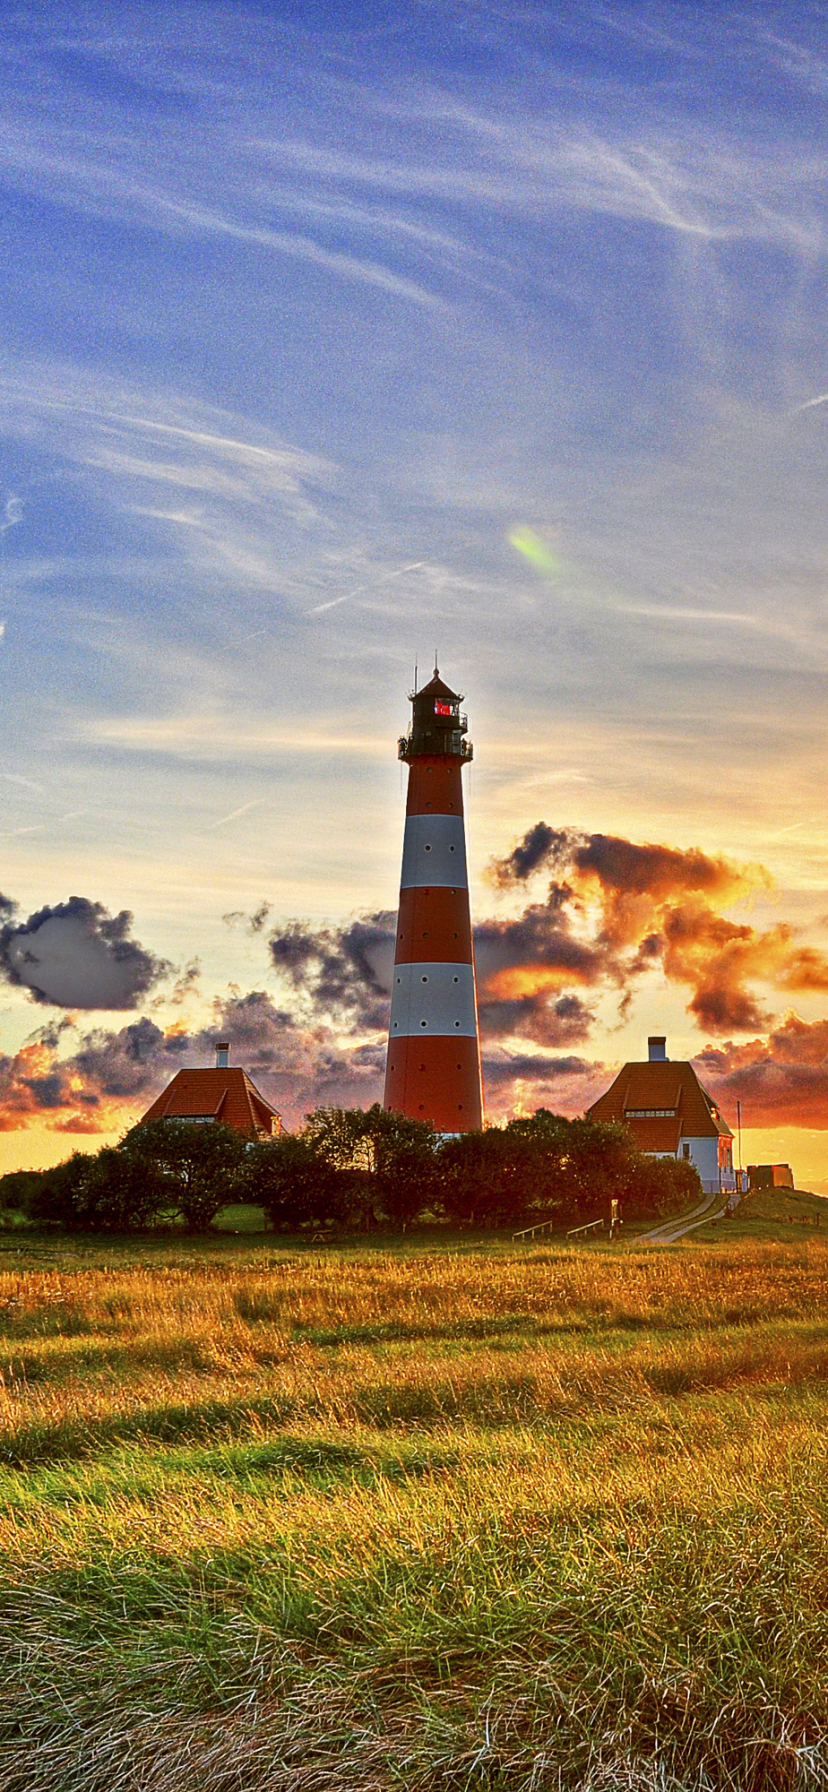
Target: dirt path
711 1208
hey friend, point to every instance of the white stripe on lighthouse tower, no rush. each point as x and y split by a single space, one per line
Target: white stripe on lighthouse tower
433 998
434 852
433 1067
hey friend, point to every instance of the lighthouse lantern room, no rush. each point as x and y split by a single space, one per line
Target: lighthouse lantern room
433 1065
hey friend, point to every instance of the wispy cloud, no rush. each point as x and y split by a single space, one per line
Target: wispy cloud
235 814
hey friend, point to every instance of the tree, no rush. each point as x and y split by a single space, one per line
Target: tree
18 1189
384 1160
200 1167
506 1176
107 1192
661 1186
599 1165
403 1163
483 1179
293 1181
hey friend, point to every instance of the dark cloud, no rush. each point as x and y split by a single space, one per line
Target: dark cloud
343 973
506 1067
780 1080
518 1082
614 910
251 923
541 846
129 1063
96 1087
564 1020
186 984
77 955
342 976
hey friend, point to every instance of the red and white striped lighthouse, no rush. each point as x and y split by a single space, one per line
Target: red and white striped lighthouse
433 1066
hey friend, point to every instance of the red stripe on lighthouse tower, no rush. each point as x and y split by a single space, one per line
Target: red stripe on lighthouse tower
433 1066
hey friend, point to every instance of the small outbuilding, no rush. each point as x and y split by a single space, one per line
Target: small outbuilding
770 1176
224 1093
671 1114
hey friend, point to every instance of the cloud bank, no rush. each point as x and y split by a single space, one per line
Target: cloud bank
616 908
612 911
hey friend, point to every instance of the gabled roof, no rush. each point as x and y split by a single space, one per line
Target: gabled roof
660 1084
225 1094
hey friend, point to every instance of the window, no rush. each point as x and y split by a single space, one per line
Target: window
649 1113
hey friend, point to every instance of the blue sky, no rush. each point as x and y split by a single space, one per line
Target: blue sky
309 315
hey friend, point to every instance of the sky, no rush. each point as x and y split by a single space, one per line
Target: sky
341 338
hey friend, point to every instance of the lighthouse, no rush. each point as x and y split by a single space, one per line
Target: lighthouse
433 1066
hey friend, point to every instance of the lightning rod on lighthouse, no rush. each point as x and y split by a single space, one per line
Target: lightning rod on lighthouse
433 1066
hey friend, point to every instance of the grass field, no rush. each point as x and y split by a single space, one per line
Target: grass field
431 1516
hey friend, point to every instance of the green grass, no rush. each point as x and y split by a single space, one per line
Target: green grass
433 1515
785 1214
241 1216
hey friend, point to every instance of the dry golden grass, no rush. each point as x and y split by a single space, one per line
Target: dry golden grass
427 1517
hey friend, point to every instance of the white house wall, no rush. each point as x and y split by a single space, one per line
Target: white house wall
704 1155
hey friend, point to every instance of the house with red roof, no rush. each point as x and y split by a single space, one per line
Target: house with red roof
224 1093
671 1114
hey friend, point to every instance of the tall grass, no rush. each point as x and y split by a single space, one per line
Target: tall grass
427 1518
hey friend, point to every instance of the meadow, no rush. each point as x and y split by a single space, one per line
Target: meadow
437 1514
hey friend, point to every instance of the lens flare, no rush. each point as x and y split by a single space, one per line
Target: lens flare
535 549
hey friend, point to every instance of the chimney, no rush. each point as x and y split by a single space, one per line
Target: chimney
221 1056
657 1049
